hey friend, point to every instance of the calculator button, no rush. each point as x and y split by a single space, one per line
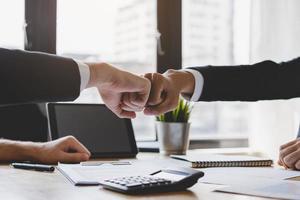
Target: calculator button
116 182
121 183
152 181
126 181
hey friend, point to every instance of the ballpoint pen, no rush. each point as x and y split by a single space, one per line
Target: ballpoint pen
36 167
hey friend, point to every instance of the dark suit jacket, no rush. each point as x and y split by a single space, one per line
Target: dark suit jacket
27 77
262 81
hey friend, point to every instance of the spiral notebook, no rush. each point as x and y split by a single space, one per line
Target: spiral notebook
214 160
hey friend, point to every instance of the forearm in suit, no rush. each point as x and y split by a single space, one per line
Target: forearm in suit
262 81
30 77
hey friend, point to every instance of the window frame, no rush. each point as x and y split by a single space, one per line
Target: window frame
41 18
169 25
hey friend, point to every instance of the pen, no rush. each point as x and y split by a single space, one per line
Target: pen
36 167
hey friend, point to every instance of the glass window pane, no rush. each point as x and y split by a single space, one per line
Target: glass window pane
215 33
121 32
11 24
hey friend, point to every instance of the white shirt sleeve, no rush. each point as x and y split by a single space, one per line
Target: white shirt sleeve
84 72
199 81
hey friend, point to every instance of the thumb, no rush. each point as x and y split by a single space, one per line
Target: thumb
140 97
74 157
76 146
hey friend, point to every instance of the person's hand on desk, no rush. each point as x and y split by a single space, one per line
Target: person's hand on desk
166 89
123 93
289 156
67 149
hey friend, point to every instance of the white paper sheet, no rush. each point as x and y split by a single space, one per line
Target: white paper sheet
274 189
92 175
238 175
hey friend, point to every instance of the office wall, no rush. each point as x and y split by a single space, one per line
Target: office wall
275 31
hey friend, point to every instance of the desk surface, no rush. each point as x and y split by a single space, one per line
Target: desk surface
22 184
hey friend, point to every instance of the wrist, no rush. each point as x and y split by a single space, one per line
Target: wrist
30 151
100 73
183 80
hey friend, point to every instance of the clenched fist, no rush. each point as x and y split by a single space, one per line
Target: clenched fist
289 156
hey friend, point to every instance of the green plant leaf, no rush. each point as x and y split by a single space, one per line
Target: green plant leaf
180 114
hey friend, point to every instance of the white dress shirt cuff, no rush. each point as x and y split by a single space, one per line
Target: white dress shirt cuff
84 72
199 81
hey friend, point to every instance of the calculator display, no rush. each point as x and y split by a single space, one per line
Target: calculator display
169 176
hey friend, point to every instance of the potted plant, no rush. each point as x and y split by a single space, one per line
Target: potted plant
172 129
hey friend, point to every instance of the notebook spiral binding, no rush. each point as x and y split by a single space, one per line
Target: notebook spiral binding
204 164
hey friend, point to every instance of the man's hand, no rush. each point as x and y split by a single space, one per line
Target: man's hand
67 149
124 93
166 89
289 156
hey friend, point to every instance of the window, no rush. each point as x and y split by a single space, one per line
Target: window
121 32
216 32
12 23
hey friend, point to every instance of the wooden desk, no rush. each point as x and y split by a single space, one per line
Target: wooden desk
19 184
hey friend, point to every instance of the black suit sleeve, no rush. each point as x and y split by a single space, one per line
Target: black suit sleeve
262 81
31 77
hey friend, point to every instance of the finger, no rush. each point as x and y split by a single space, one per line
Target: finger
75 145
126 99
291 159
140 95
129 105
148 76
164 107
281 163
74 157
297 165
128 108
123 113
127 114
114 104
289 144
139 99
117 110
157 88
288 150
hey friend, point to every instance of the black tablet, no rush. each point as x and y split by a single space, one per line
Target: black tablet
95 126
